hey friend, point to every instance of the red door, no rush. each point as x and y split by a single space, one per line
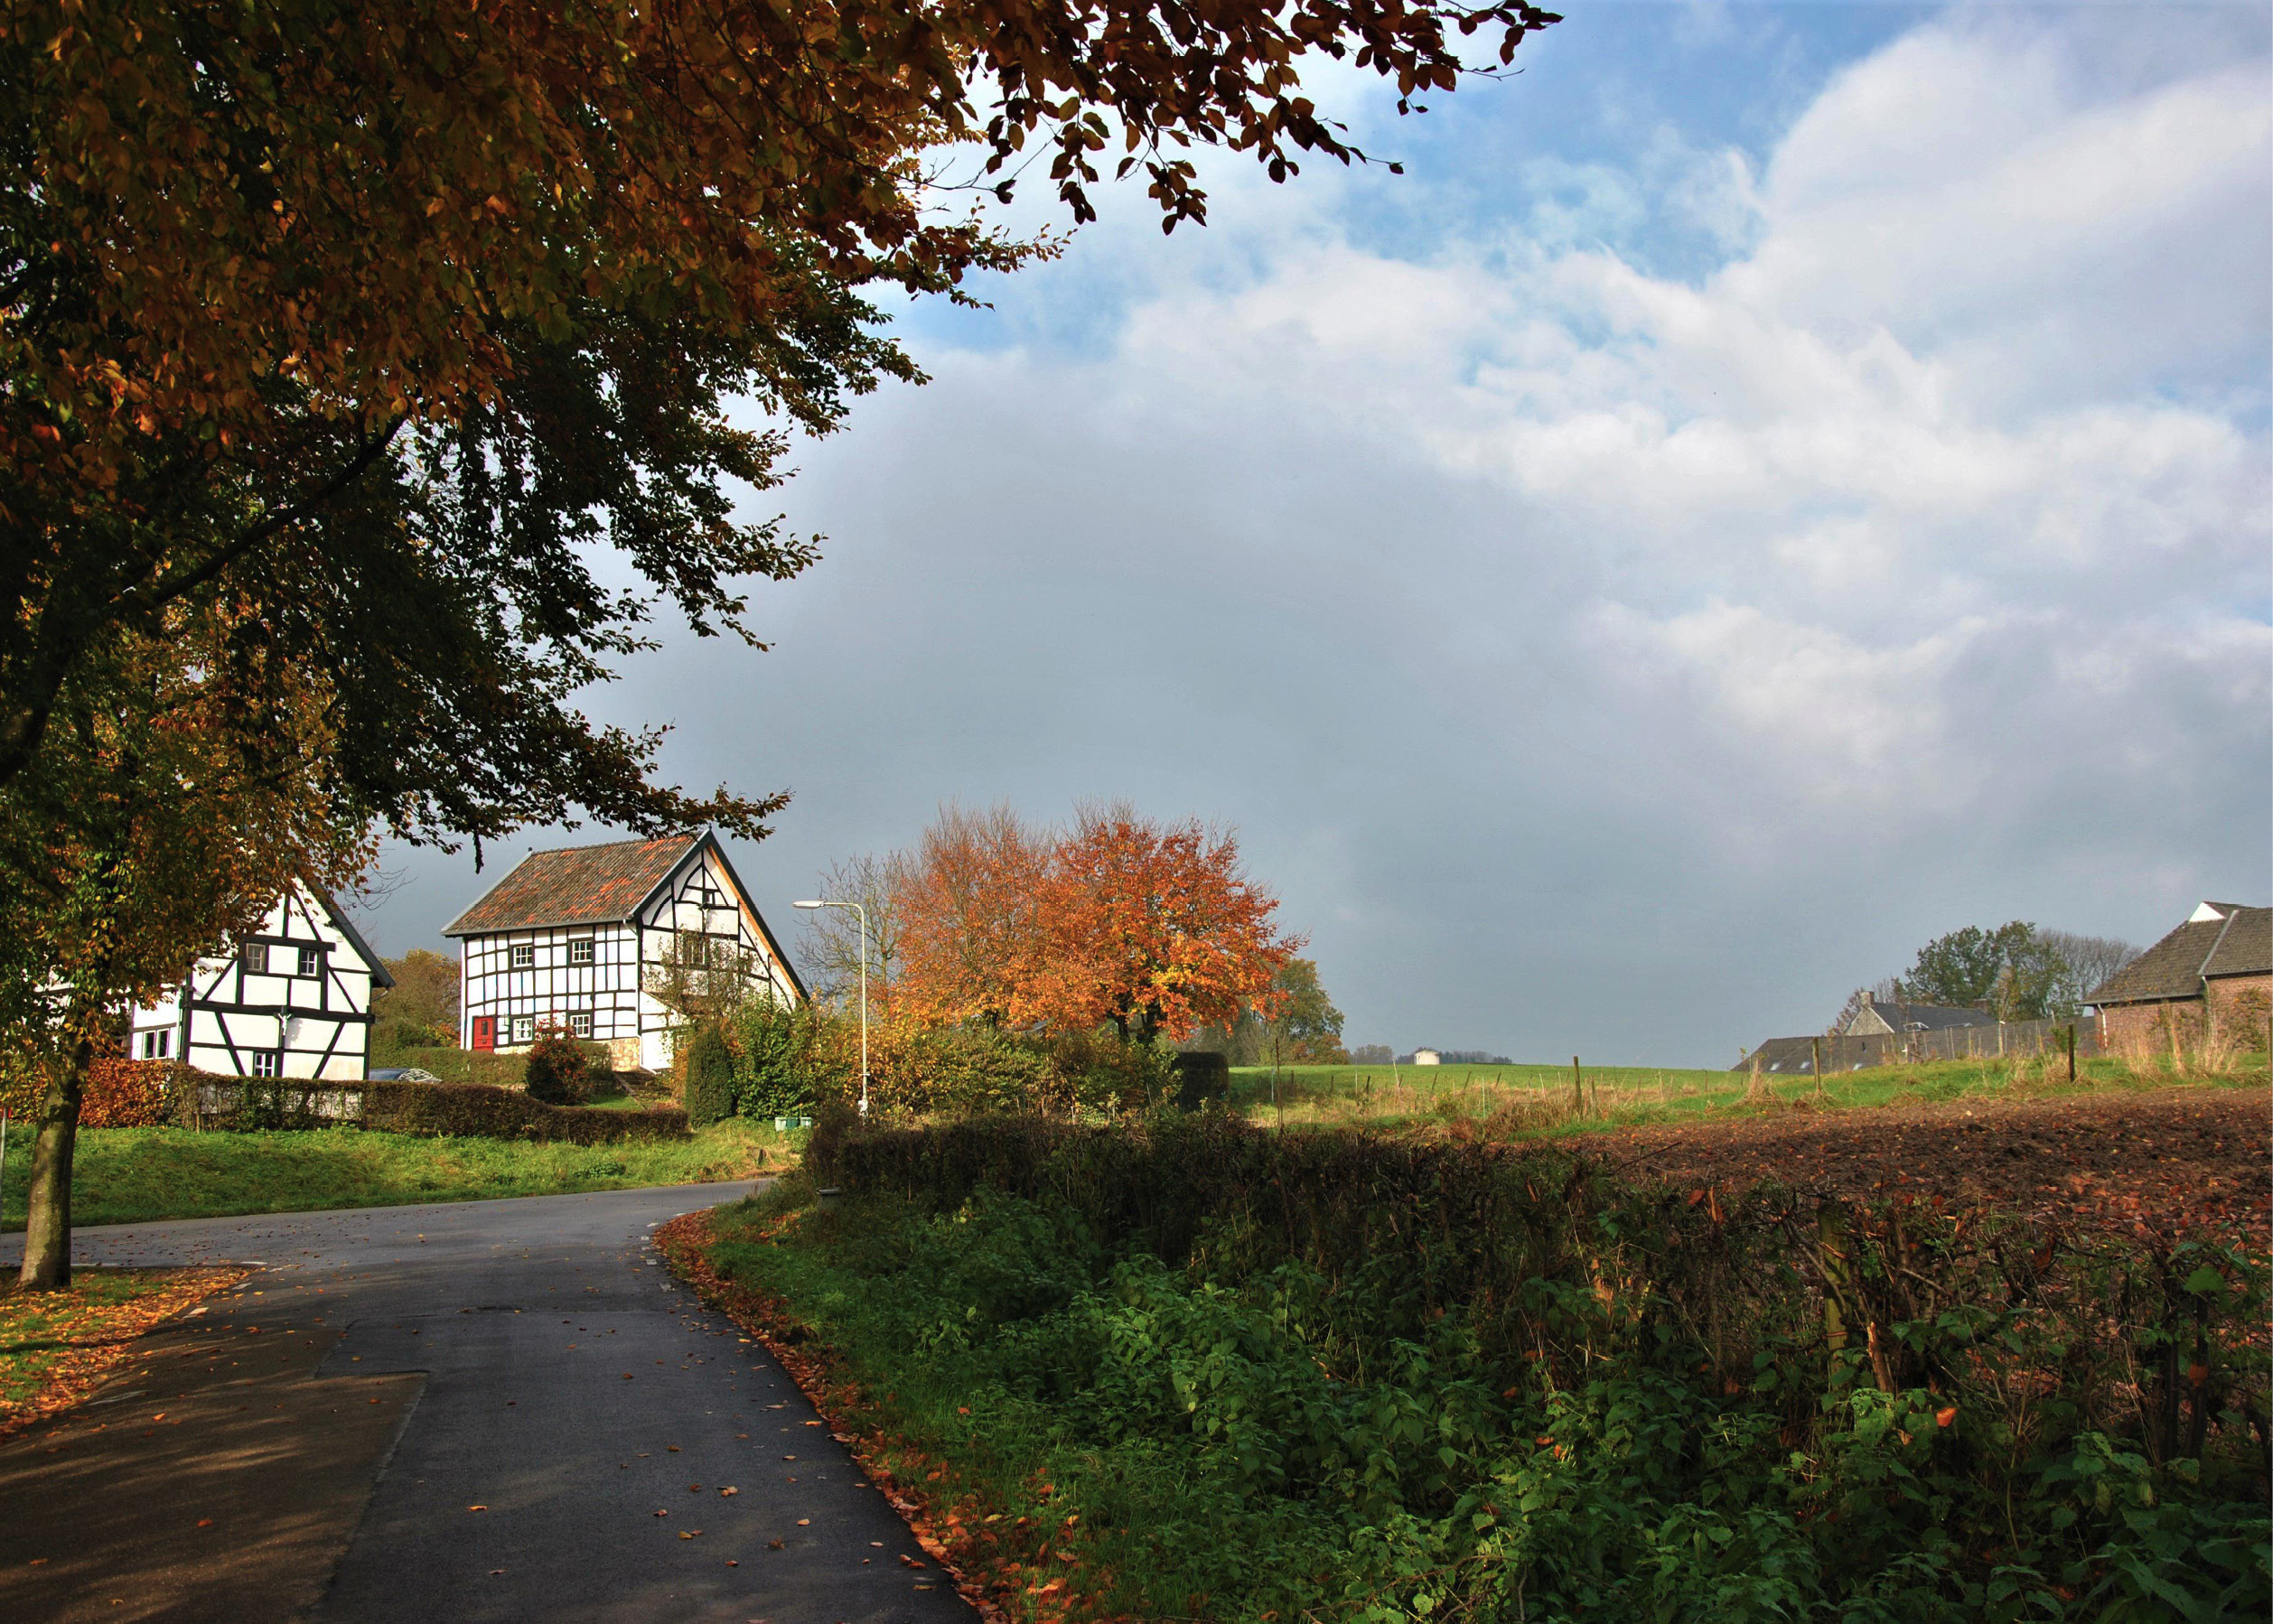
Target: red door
485 1031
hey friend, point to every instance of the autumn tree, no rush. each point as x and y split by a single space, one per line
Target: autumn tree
1156 929
144 841
969 905
1305 1031
422 1006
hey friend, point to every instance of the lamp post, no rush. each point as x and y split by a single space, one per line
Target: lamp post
863 914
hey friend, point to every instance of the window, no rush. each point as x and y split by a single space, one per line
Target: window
267 1062
157 1045
256 959
580 950
310 961
524 1026
580 1024
524 955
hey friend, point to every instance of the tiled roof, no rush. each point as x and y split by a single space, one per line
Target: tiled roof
579 885
1930 1017
2238 942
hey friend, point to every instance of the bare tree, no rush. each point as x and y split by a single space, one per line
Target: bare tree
2092 960
828 943
700 977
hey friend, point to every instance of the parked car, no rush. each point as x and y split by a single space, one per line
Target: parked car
401 1074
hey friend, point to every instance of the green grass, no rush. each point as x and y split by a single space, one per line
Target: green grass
54 1344
1541 1099
137 1175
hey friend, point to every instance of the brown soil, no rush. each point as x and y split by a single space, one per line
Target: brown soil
2172 1158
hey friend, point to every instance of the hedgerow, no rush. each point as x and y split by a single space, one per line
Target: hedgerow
1253 1376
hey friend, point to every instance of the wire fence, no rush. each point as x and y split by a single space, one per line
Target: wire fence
1999 1039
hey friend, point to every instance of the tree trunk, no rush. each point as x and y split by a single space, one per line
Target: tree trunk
47 1229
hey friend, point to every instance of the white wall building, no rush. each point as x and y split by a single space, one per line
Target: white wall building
292 1000
571 939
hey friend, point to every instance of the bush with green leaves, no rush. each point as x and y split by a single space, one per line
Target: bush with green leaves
1337 1376
555 1070
772 1055
709 1095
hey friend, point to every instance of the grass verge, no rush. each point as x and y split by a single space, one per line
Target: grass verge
1528 1100
140 1175
56 1346
1190 1371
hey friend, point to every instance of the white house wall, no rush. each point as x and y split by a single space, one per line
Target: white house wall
306 1014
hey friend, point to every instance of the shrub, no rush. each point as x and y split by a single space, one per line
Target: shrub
774 1058
709 1095
554 1070
1202 1076
478 1110
127 1094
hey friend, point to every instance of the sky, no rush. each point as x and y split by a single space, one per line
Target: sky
1767 486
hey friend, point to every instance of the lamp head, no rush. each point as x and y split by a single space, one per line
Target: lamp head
808 904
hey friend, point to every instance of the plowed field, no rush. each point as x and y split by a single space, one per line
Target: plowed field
2175 1157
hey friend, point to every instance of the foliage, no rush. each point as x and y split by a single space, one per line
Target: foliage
969 908
459 1110
1306 1030
917 1069
421 1008
555 1070
709 1094
141 1175
774 1058
57 1347
143 840
2021 972
1196 1370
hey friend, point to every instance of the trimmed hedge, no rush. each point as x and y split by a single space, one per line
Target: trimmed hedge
478 1109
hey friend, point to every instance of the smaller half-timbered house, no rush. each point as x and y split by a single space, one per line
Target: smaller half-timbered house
573 939
294 999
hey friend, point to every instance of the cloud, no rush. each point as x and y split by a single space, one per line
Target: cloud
1597 650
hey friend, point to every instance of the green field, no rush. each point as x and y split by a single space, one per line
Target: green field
1536 1099
137 1175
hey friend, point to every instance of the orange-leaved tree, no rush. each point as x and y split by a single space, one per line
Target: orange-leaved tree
969 909
1155 928
146 839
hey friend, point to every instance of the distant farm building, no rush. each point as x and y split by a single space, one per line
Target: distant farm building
2216 967
1427 1057
1879 1020
574 939
291 1000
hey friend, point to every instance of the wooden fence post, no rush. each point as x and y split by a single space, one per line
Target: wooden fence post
1577 1089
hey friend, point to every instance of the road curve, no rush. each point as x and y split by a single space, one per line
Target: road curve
562 1422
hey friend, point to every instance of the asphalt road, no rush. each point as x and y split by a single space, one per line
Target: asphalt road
566 1456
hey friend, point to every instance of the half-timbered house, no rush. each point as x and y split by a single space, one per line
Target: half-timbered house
574 940
294 999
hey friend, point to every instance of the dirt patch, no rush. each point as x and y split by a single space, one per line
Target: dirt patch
2162 1161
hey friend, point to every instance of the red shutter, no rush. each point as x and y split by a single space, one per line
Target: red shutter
485 1031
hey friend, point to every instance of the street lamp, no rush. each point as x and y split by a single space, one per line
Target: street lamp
863 913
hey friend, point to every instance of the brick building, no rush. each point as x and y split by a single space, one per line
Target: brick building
2218 966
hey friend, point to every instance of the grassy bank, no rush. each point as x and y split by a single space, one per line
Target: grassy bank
136 1175
57 1346
1536 1099
1196 1371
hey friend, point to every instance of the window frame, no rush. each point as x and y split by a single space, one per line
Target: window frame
254 957
521 955
580 1024
581 950
524 1029
271 1058
311 962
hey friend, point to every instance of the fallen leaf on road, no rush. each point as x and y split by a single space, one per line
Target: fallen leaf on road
205 1522
804 1522
662 1514
770 1545
477 1507
730 1488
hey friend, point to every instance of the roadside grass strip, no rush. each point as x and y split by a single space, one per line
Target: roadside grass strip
142 1175
57 1347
